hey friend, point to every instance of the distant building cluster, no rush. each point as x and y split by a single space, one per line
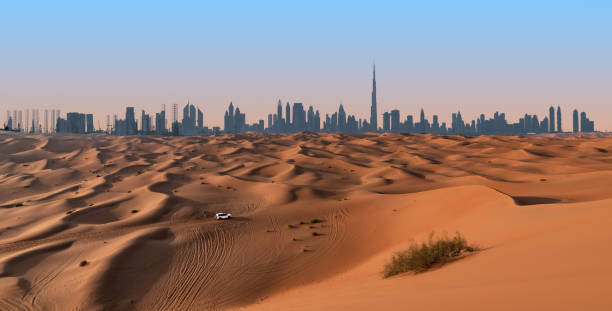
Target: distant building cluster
77 123
294 119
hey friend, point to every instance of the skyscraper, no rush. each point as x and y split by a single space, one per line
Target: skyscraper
279 111
341 118
373 109
130 119
576 122
287 117
299 117
46 121
200 119
386 122
551 118
89 123
559 127
310 119
395 121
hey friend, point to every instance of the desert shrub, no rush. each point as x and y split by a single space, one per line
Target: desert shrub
315 234
419 258
134 211
18 204
83 263
69 212
303 222
315 221
291 226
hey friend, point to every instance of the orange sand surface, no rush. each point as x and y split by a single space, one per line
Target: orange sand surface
126 223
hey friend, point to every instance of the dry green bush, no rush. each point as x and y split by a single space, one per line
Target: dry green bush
419 258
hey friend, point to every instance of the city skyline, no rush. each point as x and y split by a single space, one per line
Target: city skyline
101 120
235 121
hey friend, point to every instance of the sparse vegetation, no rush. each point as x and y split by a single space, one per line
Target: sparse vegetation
316 234
291 226
419 258
134 211
543 179
315 221
83 263
69 212
19 204
303 222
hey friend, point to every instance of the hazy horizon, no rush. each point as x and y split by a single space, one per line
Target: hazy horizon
442 56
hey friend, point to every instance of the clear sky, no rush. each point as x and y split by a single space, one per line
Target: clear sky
474 56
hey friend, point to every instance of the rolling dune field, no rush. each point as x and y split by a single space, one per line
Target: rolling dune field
127 223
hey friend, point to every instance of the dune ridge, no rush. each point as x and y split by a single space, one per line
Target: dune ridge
126 223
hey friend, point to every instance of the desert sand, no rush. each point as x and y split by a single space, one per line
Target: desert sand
126 223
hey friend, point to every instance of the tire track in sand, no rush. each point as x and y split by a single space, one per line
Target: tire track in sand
201 253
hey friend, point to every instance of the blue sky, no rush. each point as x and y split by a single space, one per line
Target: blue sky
477 56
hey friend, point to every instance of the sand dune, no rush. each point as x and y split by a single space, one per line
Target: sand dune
126 223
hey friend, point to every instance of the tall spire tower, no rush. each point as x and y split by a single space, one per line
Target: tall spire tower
373 114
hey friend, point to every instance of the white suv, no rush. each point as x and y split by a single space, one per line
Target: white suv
223 216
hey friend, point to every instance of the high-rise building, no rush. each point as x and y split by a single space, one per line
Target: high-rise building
586 125
280 124
551 119
200 119
130 121
74 123
435 125
287 118
310 121
270 124
386 122
395 121
90 124
46 121
341 118
299 117
559 127
373 108
576 121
